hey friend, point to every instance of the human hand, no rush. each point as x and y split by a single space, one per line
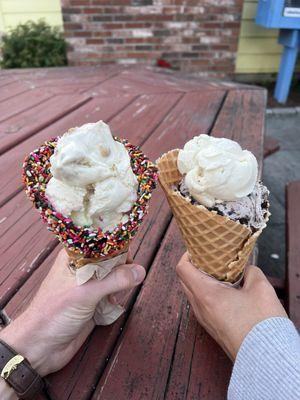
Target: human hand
228 314
60 317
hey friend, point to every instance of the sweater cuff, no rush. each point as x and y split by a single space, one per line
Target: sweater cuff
268 362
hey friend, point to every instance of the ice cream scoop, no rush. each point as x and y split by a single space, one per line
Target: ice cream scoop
250 210
92 179
217 170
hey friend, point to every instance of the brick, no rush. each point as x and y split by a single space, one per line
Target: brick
102 34
66 18
80 2
94 41
102 18
112 26
115 40
144 47
123 18
153 17
131 25
72 26
92 10
190 55
78 34
71 10
142 33
200 47
142 2
162 32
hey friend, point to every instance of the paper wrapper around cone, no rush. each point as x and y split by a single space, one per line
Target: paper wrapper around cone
217 245
87 268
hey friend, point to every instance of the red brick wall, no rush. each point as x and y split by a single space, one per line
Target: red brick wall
195 36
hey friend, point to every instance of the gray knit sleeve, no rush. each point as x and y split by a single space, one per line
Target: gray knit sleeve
267 366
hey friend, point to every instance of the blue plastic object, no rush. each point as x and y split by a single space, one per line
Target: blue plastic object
278 14
283 14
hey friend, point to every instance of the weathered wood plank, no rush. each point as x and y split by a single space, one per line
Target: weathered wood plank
293 251
16 129
143 356
200 369
179 374
24 244
24 295
35 74
162 81
12 89
22 102
271 145
194 114
242 119
144 114
12 160
130 82
210 369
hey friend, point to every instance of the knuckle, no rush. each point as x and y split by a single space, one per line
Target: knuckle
123 278
179 267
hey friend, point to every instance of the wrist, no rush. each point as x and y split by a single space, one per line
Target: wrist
21 336
6 392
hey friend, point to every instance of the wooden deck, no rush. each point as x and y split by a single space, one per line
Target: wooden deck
155 350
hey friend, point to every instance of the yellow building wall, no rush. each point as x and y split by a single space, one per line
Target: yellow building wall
258 50
13 12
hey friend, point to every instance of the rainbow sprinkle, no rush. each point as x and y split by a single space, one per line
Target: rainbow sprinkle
84 240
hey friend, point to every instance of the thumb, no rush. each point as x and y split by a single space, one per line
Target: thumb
121 278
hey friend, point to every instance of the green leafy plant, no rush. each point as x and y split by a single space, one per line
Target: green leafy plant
33 44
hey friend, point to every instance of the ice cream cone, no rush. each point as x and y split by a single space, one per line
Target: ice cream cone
93 252
217 245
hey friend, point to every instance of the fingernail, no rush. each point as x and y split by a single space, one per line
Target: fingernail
138 274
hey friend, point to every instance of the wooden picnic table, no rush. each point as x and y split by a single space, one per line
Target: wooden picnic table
156 349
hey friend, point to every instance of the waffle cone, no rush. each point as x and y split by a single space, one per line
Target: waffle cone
216 245
77 260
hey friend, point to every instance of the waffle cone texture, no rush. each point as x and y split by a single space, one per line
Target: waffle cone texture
217 245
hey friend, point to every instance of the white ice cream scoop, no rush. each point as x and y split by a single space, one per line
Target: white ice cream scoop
217 169
92 182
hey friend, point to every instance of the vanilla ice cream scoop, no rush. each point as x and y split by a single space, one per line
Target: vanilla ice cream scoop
92 180
217 170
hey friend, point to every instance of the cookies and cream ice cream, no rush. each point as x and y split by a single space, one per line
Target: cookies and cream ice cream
217 169
92 179
220 175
